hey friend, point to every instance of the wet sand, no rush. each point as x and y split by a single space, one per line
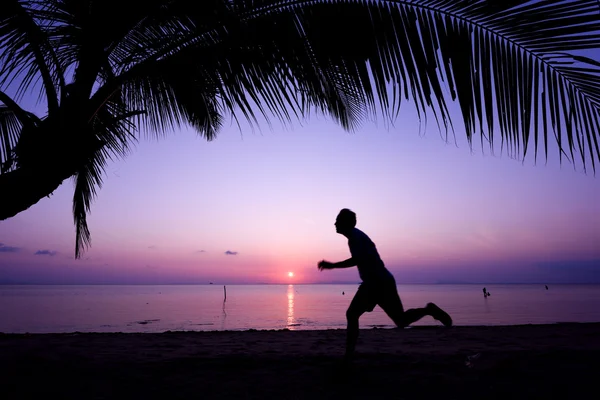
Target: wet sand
528 361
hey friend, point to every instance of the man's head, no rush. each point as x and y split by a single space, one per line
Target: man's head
345 221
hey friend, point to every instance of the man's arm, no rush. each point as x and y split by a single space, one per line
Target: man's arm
342 264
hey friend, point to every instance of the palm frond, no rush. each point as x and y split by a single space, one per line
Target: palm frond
9 134
24 117
114 133
236 73
87 178
502 61
12 121
26 51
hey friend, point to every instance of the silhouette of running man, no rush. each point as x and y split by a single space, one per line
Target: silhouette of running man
378 285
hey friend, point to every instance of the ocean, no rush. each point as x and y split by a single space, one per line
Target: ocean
156 308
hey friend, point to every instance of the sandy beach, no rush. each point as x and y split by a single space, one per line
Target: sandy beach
529 361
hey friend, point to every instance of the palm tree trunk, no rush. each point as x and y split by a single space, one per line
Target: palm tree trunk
24 187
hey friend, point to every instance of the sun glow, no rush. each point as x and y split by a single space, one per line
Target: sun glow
291 274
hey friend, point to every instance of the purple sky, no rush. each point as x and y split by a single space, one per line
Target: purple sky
252 206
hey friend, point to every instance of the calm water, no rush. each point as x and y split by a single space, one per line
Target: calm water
44 309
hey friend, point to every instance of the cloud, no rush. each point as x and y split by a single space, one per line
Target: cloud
231 253
201 251
45 253
153 247
8 249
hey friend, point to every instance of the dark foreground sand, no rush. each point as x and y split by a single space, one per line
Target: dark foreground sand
532 361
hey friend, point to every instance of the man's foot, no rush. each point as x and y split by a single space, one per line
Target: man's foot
439 314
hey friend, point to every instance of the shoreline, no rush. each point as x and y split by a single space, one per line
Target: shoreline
417 327
509 361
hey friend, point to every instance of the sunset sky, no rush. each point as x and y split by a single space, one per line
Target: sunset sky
251 206
254 205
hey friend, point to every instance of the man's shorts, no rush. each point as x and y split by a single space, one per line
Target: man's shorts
382 293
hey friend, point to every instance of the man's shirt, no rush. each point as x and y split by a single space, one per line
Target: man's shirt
370 266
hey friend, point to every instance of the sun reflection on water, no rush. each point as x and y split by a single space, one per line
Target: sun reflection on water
290 314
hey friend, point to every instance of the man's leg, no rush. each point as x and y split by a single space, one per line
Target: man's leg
391 304
362 302
439 314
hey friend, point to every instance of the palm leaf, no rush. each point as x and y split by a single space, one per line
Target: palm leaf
87 178
12 121
503 62
494 57
114 132
9 132
517 69
27 54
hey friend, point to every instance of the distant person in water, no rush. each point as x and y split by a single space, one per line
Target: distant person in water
546 287
378 285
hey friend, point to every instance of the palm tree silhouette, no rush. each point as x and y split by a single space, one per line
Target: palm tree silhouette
110 70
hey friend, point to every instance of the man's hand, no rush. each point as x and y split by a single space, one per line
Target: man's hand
324 265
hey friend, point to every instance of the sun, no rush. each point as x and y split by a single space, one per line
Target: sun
291 274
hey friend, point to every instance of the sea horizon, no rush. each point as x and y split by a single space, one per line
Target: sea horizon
205 307
289 283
